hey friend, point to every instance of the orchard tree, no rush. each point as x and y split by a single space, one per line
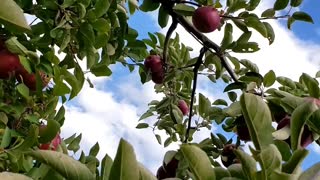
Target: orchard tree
41 65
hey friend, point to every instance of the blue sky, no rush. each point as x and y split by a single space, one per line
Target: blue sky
112 109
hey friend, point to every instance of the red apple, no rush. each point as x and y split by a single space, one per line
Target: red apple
242 129
153 63
227 155
171 167
157 77
53 145
29 79
206 19
183 107
9 63
306 137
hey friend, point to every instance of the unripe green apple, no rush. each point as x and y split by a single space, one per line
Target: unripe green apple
206 19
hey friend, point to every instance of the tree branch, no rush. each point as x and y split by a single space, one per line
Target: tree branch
206 42
195 77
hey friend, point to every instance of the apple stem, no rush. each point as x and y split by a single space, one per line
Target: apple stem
195 77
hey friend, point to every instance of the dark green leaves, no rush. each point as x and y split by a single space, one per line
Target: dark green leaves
183 9
125 165
163 17
302 16
65 165
295 3
149 5
280 4
258 119
198 161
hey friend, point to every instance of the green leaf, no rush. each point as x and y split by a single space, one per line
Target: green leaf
145 174
290 21
133 5
94 150
204 105
220 102
30 140
258 119
6 138
269 78
270 159
142 125
74 144
283 176
11 15
3 118
244 38
253 4
49 131
286 82
268 13
270 32
295 3
293 165
87 32
280 4
236 171
106 165
163 17
250 65
284 149
65 165
198 161
249 165
255 23
146 115
100 70
298 120
235 85
149 5
101 7
227 38
13 176
158 137
125 165
60 89
313 122
302 16
221 172
184 10
312 85
311 173
23 90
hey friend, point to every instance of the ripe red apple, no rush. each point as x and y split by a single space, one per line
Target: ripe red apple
168 170
306 137
227 155
9 63
53 145
157 77
242 129
206 19
29 79
153 63
183 107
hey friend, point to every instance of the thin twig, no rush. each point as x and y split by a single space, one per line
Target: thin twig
263 18
195 77
189 2
33 21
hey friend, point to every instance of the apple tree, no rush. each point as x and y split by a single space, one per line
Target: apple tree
46 62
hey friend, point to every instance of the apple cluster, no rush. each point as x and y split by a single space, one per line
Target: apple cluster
153 64
10 66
